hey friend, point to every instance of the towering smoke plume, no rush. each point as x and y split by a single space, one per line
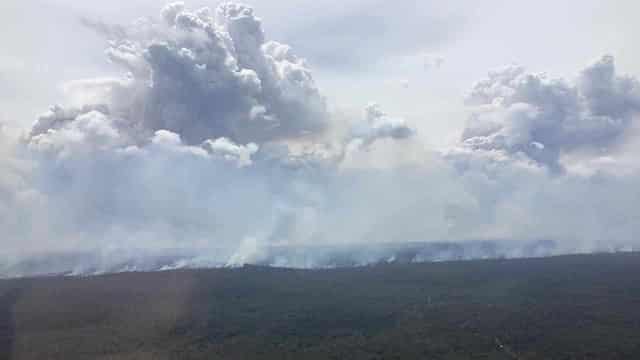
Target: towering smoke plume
203 75
215 147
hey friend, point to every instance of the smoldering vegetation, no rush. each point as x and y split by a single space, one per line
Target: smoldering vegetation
279 256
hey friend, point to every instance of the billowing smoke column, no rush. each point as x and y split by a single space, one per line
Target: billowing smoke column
217 148
542 118
202 75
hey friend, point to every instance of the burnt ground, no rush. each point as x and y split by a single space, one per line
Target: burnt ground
570 307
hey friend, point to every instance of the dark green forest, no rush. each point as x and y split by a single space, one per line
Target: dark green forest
569 307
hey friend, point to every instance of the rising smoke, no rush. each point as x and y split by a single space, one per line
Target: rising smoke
215 147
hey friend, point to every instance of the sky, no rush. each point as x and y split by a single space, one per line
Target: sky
150 125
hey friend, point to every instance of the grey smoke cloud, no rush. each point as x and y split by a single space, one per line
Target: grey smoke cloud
219 77
541 117
379 125
217 141
210 104
205 75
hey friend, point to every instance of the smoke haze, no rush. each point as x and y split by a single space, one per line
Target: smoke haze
214 146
